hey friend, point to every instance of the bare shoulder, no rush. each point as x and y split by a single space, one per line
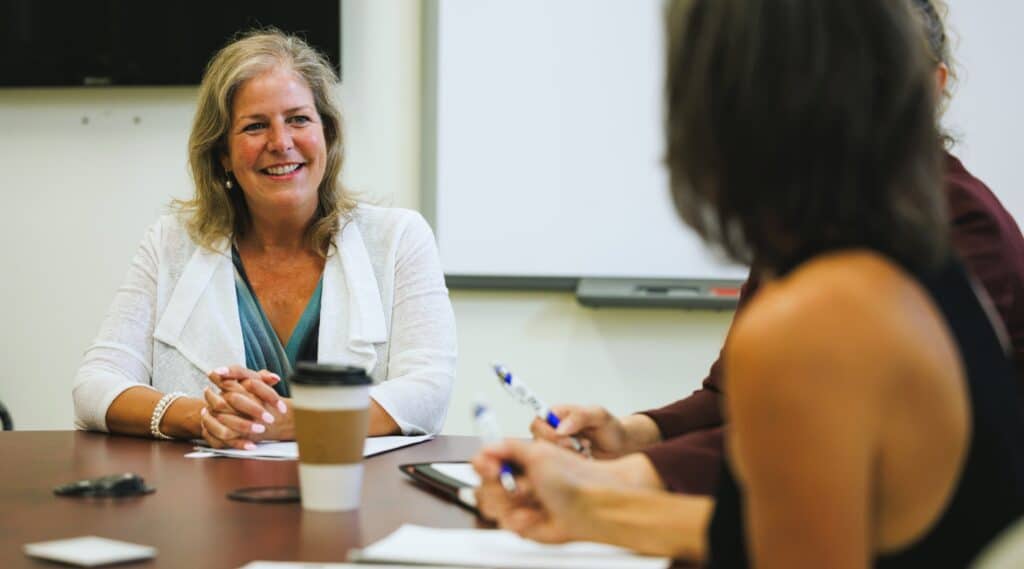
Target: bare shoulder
837 315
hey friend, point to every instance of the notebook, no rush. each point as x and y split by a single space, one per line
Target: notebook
497 549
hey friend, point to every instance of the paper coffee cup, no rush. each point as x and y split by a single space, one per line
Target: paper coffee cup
331 405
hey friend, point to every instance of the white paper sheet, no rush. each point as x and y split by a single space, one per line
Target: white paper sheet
290 450
461 471
312 565
89 551
498 549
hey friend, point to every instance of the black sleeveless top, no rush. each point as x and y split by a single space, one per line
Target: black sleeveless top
990 492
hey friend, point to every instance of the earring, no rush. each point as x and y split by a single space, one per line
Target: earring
228 184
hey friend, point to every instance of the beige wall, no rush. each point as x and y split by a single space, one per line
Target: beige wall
85 171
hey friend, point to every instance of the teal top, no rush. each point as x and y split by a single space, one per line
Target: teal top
263 349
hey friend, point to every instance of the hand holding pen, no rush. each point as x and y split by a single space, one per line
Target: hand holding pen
546 505
520 391
487 430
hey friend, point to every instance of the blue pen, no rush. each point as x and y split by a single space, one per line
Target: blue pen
487 428
518 389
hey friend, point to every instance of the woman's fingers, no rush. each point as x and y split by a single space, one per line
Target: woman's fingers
268 377
223 374
245 404
521 455
237 403
575 418
211 440
239 372
219 435
507 450
264 392
540 429
258 383
493 500
486 465
241 426
217 429
214 401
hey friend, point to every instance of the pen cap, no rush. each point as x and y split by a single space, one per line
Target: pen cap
480 406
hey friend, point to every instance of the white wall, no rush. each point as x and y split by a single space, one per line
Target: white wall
77 197
82 180
985 114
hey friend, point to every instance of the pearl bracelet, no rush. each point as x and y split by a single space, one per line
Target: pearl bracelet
158 414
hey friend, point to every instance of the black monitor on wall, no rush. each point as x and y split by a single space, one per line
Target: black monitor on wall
54 43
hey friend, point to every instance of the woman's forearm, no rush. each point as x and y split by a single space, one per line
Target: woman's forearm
381 422
132 410
641 432
648 521
637 471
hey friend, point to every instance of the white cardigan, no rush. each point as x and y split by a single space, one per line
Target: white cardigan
384 308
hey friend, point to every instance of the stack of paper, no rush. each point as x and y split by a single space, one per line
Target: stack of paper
311 565
290 450
497 549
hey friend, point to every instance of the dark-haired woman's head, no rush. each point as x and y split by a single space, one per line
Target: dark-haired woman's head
797 127
932 14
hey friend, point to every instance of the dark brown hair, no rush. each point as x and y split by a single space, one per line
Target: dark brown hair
797 127
933 18
933 14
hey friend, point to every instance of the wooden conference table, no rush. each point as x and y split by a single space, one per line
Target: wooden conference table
189 519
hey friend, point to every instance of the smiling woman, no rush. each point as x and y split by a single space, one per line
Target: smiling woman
276 149
268 264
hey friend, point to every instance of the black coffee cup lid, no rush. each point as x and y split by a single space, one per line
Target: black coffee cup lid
312 373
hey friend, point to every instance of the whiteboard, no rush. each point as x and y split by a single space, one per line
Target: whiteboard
547 143
544 140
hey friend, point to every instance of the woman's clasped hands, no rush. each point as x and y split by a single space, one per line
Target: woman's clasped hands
244 408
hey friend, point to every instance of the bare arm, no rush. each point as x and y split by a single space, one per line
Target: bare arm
381 422
641 432
650 522
131 411
802 440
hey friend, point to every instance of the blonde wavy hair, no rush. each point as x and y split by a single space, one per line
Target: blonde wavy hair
215 212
